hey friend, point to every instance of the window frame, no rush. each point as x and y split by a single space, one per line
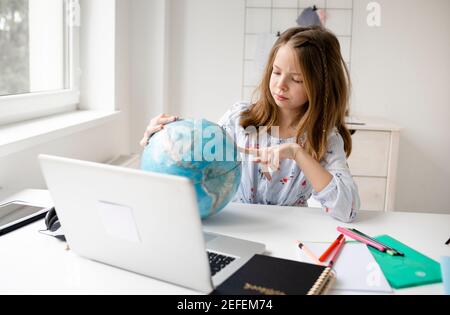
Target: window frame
20 107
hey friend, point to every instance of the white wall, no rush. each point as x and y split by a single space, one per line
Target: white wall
186 59
98 79
206 56
401 71
149 40
21 170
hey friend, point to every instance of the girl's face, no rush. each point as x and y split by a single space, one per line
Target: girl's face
286 81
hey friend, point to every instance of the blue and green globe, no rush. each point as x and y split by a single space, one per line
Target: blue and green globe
201 151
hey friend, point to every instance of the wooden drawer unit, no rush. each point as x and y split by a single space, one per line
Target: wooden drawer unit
373 162
372 191
370 155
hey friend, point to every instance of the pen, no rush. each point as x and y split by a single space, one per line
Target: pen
370 238
364 240
336 254
389 250
331 248
448 242
309 253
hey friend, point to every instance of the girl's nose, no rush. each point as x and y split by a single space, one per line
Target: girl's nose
281 84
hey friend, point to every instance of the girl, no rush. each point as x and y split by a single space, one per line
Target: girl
303 97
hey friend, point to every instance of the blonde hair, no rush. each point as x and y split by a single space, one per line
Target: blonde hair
327 86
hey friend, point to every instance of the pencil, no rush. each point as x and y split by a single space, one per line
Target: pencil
309 253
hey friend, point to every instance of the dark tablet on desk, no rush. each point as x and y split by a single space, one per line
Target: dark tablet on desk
15 215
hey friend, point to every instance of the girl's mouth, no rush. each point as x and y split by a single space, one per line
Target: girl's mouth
281 98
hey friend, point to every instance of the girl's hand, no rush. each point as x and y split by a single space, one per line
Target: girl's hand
155 125
270 157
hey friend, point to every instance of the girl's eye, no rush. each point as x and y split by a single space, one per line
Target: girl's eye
297 81
276 73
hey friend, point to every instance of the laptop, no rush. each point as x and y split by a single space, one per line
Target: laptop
143 222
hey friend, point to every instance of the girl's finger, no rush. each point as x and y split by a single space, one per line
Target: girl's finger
270 160
268 176
149 132
156 129
144 139
275 161
248 151
153 129
143 142
256 160
265 170
274 168
264 156
166 120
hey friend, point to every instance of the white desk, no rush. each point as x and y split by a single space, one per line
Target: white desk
32 263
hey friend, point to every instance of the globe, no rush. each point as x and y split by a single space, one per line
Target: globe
201 151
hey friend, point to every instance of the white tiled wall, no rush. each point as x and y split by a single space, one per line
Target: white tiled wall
339 21
339 4
309 3
345 42
285 4
273 16
258 20
259 3
282 19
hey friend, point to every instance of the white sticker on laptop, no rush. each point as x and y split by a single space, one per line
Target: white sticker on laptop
118 221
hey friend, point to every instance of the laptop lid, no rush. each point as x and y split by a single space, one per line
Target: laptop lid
144 222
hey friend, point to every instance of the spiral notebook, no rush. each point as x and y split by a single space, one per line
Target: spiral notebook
265 275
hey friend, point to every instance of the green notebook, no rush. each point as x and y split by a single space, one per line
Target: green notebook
411 270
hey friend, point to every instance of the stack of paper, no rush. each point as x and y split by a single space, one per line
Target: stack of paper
356 269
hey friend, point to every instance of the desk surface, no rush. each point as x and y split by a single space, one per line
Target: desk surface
33 263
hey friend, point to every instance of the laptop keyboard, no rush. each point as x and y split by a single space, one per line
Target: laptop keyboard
217 262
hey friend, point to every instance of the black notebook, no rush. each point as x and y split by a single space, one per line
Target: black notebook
265 275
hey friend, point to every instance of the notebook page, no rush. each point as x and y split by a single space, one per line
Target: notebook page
356 269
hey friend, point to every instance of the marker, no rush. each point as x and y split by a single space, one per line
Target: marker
389 250
336 254
331 248
392 253
362 239
309 253
370 238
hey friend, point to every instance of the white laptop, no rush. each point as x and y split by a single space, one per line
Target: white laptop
143 222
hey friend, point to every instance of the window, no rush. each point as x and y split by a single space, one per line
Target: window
39 58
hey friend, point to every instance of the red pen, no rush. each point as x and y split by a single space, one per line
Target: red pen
331 248
336 254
